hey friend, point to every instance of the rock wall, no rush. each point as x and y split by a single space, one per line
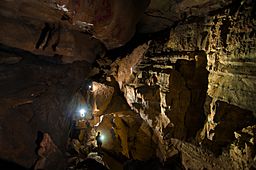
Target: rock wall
39 28
199 85
229 41
162 14
168 91
191 88
35 99
125 133
114 22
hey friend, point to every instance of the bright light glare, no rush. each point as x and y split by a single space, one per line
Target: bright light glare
90 86
82 112
102 137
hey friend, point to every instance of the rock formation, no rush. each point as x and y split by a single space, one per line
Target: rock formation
178 92
35 96
203 89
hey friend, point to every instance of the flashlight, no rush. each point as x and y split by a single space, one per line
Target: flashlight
82 112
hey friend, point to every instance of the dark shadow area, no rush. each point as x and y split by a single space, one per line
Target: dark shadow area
174 163
91 164
118 157
43 35
8 165
137 40
30 58
229 119
40 136
195 75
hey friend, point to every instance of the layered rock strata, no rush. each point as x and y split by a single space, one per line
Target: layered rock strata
199 85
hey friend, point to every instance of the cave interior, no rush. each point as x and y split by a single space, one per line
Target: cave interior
127 84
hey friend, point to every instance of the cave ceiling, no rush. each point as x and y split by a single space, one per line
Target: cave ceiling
82 30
